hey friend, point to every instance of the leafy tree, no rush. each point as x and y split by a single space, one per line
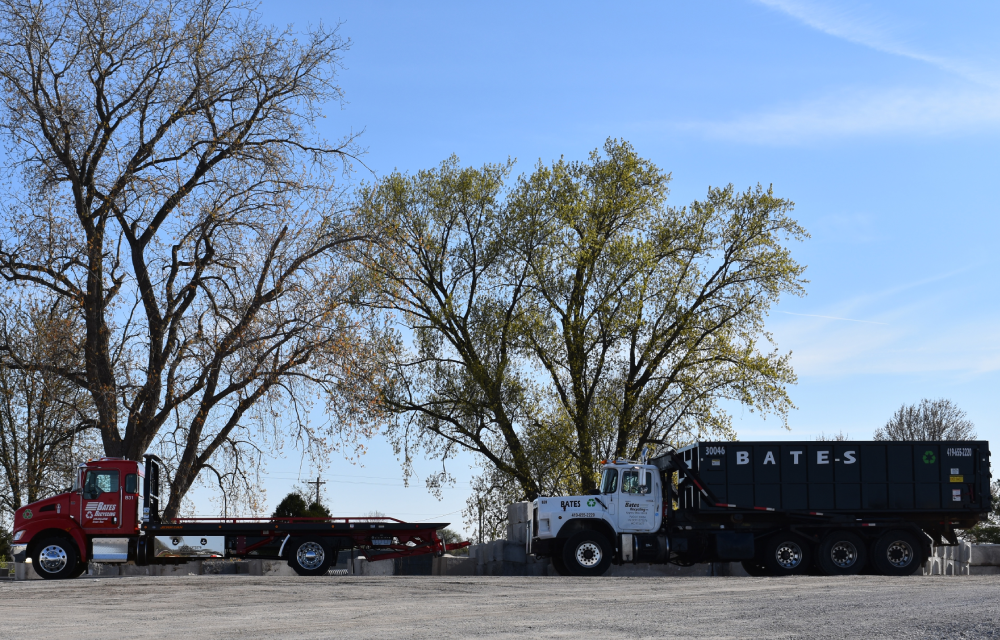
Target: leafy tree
46 422
930 420
573 315
6 540
295 506
650 315
167 184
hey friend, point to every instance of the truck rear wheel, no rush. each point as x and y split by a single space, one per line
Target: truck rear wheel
897 553
55 558
587 553
309 556
786 554
841 553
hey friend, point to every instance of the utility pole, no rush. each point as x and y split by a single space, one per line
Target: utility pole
480 500
317 483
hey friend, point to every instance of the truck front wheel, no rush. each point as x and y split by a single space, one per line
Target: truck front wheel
55 558
587 553
309 557
897 553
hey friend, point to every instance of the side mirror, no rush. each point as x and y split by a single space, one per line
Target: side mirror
642 480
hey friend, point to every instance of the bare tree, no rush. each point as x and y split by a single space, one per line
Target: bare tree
46 422
170 187
930 420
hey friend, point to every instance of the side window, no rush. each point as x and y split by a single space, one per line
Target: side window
99 482
630 482
131 483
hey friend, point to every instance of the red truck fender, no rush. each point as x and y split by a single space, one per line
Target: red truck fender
44 528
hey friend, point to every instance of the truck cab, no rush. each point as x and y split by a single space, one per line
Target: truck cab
98 519
620 521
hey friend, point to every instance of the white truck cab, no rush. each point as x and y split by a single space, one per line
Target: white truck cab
628 503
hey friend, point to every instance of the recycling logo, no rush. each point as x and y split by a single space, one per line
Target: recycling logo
27 514
591 502
929 457
90 515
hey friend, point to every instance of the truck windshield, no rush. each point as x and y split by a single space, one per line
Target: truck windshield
609 481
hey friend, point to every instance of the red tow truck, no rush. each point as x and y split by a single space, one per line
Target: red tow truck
99 520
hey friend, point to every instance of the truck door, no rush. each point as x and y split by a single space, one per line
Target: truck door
101 509
638 504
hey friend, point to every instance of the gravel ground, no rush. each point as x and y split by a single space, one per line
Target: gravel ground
246 607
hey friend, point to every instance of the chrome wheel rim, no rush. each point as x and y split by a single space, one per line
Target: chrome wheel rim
788 555
843 554
310 555
899 554
588 554
53 559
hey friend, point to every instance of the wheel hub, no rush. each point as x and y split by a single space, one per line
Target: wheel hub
588 554
788 555
844 554
53 559
899 554
310 555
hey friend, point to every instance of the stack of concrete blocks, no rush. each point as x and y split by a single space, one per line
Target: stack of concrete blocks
953 560
985 560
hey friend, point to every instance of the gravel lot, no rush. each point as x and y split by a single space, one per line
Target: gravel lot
246 607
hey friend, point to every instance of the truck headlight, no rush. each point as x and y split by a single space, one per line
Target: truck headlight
19 535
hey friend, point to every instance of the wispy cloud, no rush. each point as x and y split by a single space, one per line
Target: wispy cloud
875 34
969 103
897 111
813 315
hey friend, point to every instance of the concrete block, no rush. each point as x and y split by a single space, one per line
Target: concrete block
984 570
24 571
518 532
513 552
985 555
190 568
276 568
218 567
377 568
496 550
133 570
518 512
452 566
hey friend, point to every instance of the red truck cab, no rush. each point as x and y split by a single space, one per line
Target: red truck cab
98 519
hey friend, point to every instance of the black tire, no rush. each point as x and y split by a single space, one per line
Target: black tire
557 562
897 553
55 558
81 568
786 554
587 553
754 568
841 553
309 556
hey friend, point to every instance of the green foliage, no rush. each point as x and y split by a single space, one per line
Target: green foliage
989 531
294 506
6 540
573 316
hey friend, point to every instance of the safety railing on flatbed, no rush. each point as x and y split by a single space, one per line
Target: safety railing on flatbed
334 519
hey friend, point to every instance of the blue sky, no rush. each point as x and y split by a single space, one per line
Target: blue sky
880 120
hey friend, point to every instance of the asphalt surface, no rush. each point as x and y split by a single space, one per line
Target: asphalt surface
247 607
